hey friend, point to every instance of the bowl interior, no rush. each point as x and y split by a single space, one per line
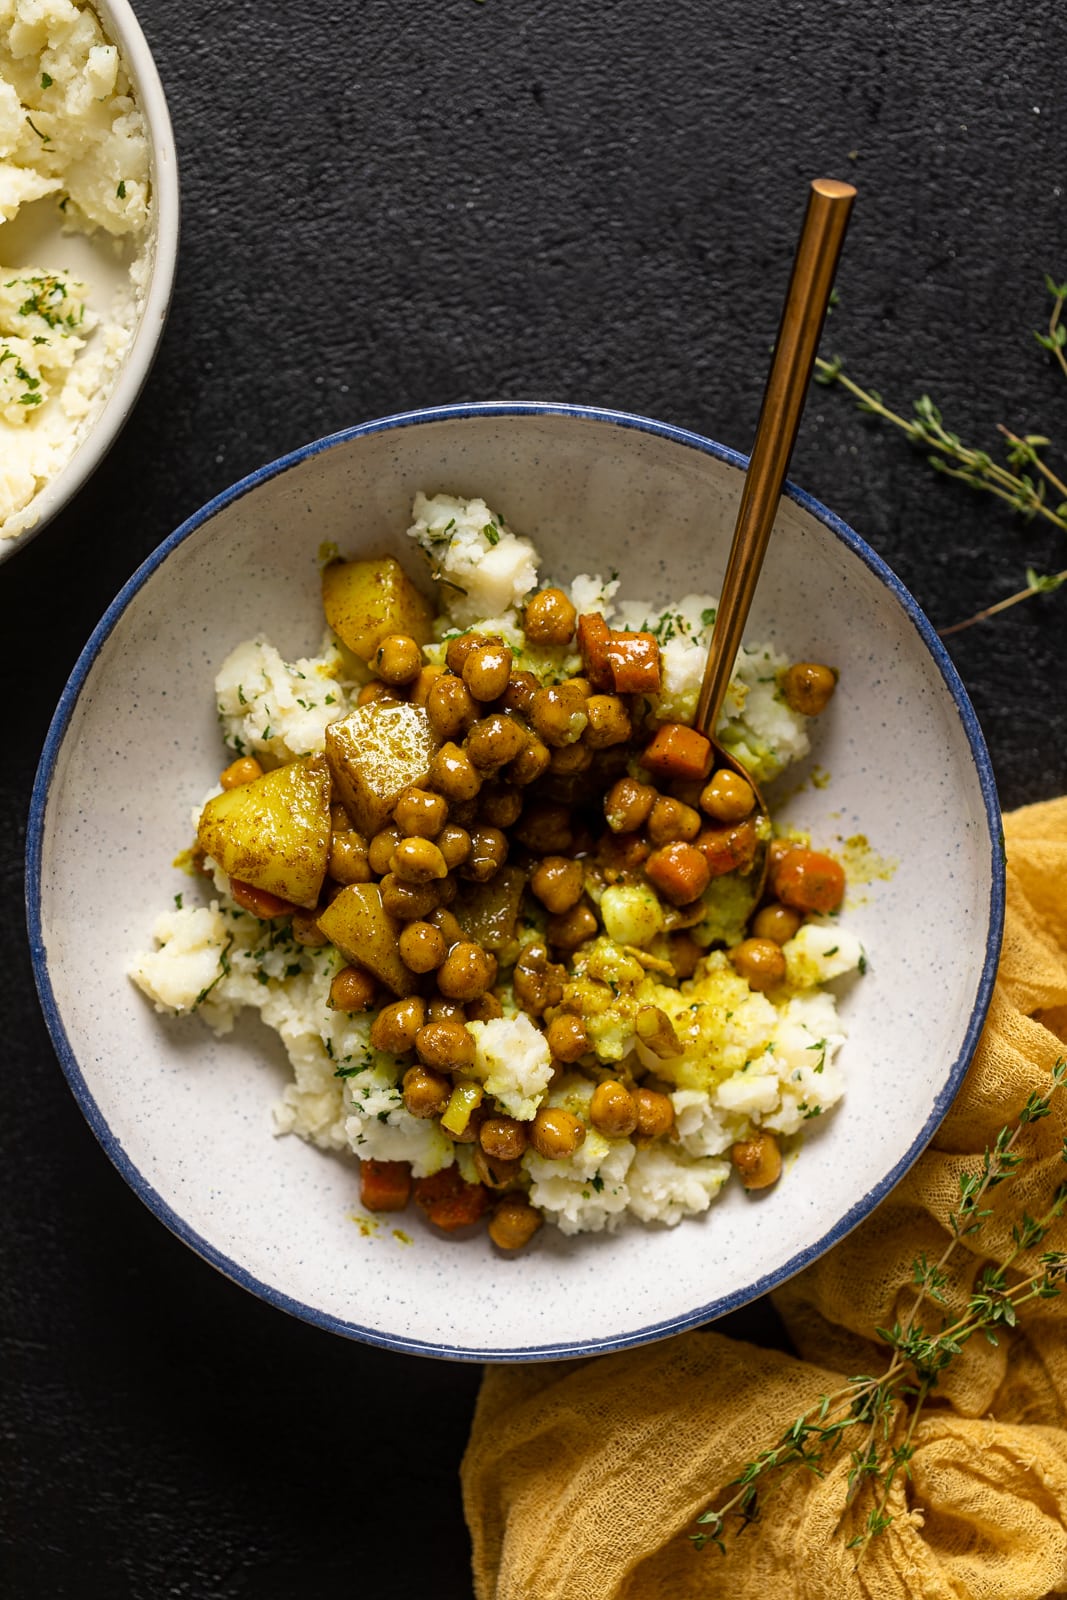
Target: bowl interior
135 745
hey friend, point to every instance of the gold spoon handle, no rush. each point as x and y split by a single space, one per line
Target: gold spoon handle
818 249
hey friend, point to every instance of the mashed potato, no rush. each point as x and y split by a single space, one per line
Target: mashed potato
748 1060
70 136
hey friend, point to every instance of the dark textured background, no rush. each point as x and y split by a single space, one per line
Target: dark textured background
389 205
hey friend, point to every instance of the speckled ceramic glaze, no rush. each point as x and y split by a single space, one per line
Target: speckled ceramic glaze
134 744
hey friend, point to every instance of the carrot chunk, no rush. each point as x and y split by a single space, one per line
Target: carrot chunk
679 872
729 848
384 1185
260 902
593 636
807 880
678 752
449 1202
633 661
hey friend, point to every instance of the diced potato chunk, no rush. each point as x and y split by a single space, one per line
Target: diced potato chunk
366 600
364 932
487 912
274 832
375 753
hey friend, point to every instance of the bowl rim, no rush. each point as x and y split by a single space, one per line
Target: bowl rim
573 1348
123 29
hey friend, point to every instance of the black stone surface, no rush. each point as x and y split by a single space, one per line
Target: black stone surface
389 205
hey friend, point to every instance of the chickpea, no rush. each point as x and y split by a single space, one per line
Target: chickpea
567 1038
374 691
503 1138
549 618
684 954
352 989
537 982
530 764
442 1010
244 770
727 796
452 773
558 882
420 814
609 721
620 854
569 759
555 1133
454 844
612 1110
558 714
306 931
417 861
349 861
500 805
459 648
655 1114
513 1223
380 851
422 946
489 851
464 813
760 962
466 972
776 922
398 659
486 671
573 928
758 1161
671 820
808 687
546 830
445 1045
395 1026
627 805
408 902
420 689
426 1094
518 696
485 1009
492 1171
447 925
450 707
495 740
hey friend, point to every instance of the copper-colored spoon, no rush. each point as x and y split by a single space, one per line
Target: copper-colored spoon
803 315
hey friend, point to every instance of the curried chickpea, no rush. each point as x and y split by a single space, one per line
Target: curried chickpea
485 1009
558 713
627 805
513 1223
573 928
549 618
453 775
609 721
454 844
612 1110
349 861
445 1045
760 962
395 1026
488 852
530 764
727 797
447 924
459 648
537 982
306 931
466 972
655 1114
380 850
500 805
518 696
240 772
567 1038
422 946
684 954
398 659
417 861
569 759
450 707
757 1161
503 1138
495 740
808 687
425 1094
420 689
776 922
492 1171
555 1133
408 902
671 820
546 830
442 1010
420 814
557 881
376 690
486 671
352 990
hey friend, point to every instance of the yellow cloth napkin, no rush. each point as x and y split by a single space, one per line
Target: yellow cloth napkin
582 1480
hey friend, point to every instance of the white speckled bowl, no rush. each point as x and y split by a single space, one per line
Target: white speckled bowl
134 744
36 236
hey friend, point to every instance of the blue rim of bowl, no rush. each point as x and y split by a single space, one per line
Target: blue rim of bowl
574 1348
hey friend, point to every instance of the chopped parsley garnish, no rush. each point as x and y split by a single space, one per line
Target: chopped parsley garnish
45 138
708 616
223 972
811 1111
178 902
46 81
492 533
121 190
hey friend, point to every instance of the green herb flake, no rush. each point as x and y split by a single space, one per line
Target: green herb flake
46 81
121 190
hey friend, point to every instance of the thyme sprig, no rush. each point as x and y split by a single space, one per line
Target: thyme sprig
865 1412
1026 484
